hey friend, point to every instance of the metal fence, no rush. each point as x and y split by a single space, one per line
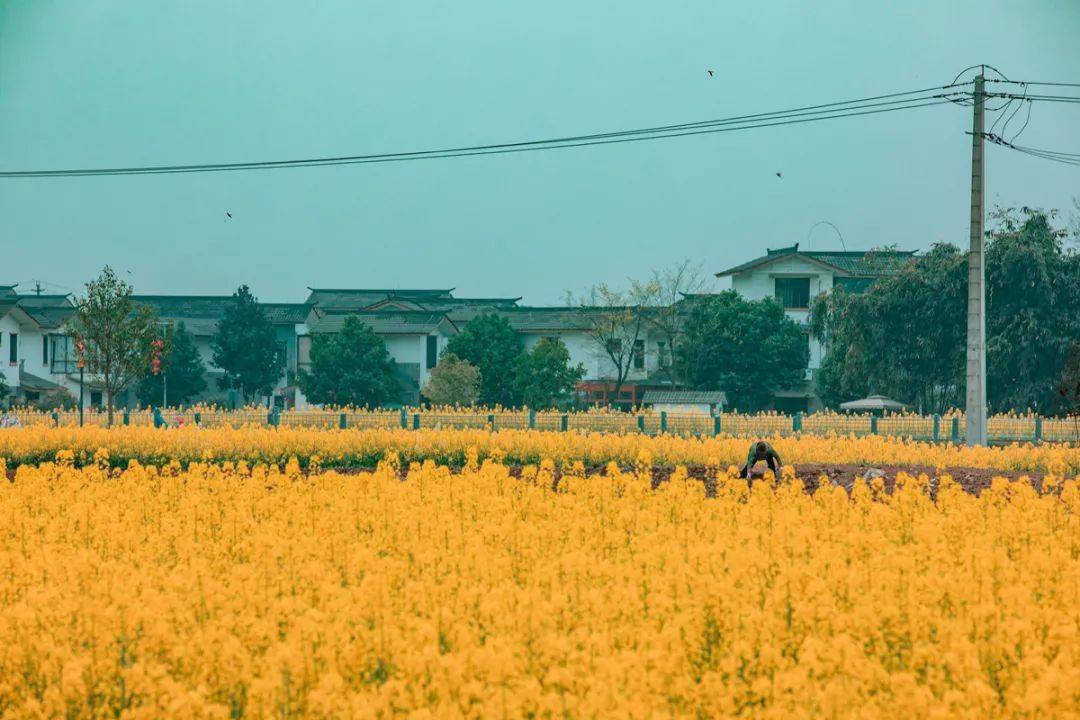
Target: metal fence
937 428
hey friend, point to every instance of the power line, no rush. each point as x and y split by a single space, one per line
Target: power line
1033 82
1043 98
890 102
1065 158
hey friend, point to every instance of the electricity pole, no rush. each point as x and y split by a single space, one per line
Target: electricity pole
976 318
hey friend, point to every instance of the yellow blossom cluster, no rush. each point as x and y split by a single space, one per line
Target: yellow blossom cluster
1002 427
261 590
365 448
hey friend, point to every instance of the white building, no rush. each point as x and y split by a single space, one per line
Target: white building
417 325
200 315
794 278
37 358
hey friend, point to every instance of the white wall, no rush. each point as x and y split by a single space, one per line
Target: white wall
598 365
9 325
682 408
761 283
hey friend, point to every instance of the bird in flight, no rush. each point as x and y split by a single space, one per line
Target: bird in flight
228 215
710 72
779 175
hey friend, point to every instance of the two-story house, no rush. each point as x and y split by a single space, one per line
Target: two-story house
794 277
37 358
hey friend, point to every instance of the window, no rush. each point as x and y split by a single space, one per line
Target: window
13 354
64 358
639 354
432 351
45 350
793 293
614 347
95 399
663 353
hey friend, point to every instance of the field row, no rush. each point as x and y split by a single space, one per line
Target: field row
948 428
365 448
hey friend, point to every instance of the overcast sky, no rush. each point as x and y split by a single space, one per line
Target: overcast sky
105 83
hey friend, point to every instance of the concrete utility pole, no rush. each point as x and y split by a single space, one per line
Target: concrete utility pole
976 319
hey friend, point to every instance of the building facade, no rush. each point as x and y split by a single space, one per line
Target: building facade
37 355
794 278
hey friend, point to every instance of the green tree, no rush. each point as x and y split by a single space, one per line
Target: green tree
5 390
116 333
544 376
1069 387
747 349
902 337
1033 309
905 336
491 345
452 382
182 373
246 347
351 367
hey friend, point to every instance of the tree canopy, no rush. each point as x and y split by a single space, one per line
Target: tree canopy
491 345
246 347
351 367
748 349
452 382
544 376
181 376
905 336
115 334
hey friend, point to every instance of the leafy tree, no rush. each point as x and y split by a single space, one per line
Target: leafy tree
246 347
902 337
1069 387
491 345
5 390
1033 309
116 333
351 367
544 376
452 382
906 335
182 373
748 349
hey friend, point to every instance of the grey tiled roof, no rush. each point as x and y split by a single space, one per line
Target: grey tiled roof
175 307
374 299
684 397
29 381
360 298
866 264
869 263
201 313
535 319
48 311
384 323
286 313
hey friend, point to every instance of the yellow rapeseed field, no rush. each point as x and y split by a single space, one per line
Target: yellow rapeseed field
354 447
253 589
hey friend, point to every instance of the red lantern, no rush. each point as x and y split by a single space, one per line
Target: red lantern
80 349
157 346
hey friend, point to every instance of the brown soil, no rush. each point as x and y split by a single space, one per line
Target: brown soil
973 480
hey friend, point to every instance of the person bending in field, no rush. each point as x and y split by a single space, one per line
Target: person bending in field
761 450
